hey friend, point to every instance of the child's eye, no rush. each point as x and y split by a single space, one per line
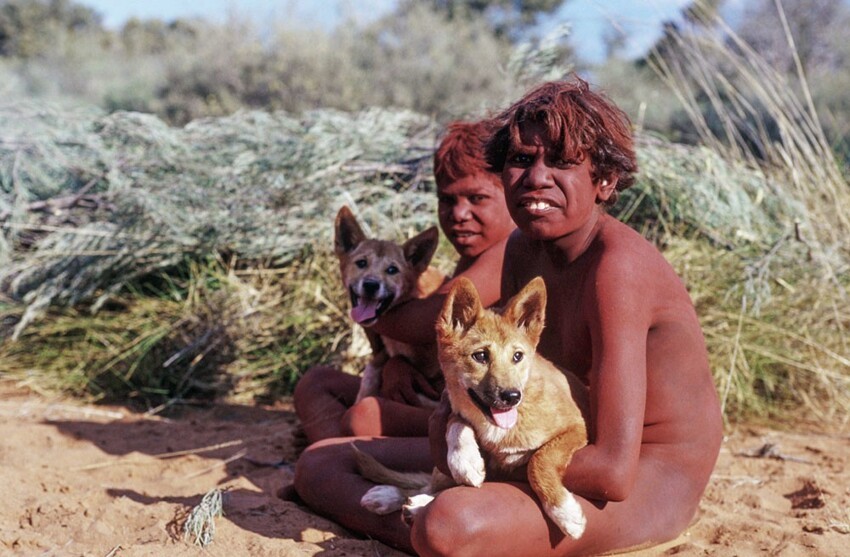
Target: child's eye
361 263
481 356
521 159
518 357
559 162
477 199
445 200
392 270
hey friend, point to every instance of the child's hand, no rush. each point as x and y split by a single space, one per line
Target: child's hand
401 382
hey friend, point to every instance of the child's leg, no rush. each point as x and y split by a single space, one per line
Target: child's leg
321 398
506 518
326 478
375 416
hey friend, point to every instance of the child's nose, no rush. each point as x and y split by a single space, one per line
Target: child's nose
460 212
538 175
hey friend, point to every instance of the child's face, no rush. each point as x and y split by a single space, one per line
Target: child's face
549 197
473 214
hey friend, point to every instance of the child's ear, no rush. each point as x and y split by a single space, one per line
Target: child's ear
607 186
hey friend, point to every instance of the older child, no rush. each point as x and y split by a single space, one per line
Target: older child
618 316
473 216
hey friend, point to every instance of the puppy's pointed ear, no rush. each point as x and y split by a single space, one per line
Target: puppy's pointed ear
527 310
460 310
420 249
347 232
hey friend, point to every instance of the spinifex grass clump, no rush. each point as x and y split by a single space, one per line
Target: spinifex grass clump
199 527
257 185
201 332
776 306
175 263
185 264
777 344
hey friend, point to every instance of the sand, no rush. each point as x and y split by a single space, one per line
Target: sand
104 481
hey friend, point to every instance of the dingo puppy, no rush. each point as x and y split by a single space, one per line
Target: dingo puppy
510 408
378 275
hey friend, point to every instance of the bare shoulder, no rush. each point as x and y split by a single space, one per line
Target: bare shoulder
632 266
625 250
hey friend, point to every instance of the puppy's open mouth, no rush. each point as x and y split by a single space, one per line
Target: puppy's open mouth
504 418
367 310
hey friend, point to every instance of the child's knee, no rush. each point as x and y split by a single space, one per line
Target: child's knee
364 418
315 380
446 527
312 467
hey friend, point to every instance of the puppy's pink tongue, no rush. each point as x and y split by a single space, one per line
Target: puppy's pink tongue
505 419
364 311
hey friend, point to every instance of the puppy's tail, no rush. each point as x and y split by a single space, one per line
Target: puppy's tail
376 472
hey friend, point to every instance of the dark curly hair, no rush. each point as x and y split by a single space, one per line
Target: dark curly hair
580 123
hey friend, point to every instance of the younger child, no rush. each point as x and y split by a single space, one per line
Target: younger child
473 216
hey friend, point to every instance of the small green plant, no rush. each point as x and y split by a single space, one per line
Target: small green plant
200 525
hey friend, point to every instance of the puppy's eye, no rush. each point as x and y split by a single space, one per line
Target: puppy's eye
518 356
392 270
361 263
481 356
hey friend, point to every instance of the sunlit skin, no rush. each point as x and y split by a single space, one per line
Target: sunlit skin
620 318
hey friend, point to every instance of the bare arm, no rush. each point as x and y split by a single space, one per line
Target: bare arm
619 316
414 322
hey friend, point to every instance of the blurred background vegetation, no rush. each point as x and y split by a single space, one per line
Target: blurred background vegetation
167 188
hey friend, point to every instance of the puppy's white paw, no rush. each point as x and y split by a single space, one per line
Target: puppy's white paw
568 516
467 467
382 499
414 506
464 457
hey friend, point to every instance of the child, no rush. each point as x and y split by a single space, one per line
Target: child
618 317
473 216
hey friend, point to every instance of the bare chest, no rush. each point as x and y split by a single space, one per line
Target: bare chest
566 338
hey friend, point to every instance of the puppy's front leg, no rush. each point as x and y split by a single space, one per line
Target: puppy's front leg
464 456
370 381
545 474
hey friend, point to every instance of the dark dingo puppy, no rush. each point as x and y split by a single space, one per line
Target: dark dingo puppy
510 408
378 275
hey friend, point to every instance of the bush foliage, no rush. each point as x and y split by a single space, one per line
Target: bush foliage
144 261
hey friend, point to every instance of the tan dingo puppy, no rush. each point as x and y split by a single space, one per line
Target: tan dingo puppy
510 408
378 275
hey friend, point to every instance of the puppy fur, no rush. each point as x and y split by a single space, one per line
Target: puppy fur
510 407
378 275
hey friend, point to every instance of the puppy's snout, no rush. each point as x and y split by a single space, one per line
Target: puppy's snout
511 397
371 287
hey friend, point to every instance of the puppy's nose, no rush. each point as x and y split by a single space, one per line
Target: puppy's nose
510 396
371 287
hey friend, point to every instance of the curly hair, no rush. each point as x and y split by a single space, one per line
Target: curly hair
579 123
461 152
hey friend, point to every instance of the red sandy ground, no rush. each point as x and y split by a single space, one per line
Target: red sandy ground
96 480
